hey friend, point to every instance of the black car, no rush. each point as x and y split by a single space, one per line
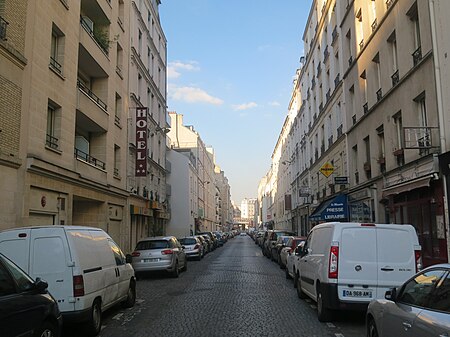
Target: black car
26 307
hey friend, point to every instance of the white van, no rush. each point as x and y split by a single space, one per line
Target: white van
345 265
85 270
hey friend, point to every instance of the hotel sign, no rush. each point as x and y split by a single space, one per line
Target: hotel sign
141 142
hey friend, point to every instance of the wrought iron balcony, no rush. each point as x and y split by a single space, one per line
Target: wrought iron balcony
93 96
51 141
334 36
417 56
379 95
421 137
389 3
374 25
366 108
395 78
89 159
55 65
3 25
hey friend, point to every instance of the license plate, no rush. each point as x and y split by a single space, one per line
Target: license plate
150 260
357 293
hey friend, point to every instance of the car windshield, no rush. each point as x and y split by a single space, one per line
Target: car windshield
188 241
152 244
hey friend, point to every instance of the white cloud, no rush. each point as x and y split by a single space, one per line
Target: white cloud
193 95
174 68
245 106
274 103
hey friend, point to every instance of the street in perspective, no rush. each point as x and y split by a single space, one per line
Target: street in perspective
233 291
224 168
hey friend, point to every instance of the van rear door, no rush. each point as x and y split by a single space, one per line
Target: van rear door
15 244
357 266
50 260
396 259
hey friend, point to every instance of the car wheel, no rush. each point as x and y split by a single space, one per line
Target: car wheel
287 274
131 296
94 323
46 330
301 295
176 271
324 314
372 329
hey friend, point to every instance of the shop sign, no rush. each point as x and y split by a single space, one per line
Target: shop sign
340 180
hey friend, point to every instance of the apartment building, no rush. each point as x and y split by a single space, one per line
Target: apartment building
71 149
184 137
13 18
368 141
223 201
147 122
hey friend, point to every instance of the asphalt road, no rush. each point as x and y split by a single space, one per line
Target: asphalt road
233 291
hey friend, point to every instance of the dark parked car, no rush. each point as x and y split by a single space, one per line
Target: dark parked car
26 307
271 240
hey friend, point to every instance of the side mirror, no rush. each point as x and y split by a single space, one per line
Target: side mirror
128 258
41 285
391 295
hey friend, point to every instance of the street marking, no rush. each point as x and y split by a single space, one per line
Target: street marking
331 325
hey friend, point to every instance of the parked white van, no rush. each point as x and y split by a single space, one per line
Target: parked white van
345 265
86 271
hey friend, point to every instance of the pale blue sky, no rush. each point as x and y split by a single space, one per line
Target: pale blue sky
230 69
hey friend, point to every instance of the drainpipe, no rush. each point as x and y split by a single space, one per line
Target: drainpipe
437 74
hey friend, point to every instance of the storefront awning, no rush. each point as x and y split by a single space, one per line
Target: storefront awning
407 186
335 209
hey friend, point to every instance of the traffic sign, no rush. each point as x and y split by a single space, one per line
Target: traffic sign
327 169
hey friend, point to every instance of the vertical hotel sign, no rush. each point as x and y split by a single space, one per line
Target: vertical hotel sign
141 142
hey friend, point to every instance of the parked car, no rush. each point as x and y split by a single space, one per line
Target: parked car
204 244
26 307
213 238
192 247
346 265
288 248
279 245
209 242
258 237
419 308
269 243
86 271
159 253
291 261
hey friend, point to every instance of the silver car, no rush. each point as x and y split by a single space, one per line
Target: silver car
419 308
160 253
192 247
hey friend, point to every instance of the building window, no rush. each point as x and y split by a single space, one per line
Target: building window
422 109
367 164
355 163
413 15
56 49
363 76
116 161
376 61
392 40
119 61
139 42
53 125
118 109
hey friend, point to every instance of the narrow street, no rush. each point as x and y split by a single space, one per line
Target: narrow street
233 291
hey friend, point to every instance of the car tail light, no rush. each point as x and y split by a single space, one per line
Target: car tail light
333 264
167 252
368 225
78 286
196 246
418 257
135 254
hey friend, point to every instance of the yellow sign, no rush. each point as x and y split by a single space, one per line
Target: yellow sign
327 169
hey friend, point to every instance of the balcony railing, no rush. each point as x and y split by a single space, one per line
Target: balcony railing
334 36
102 41
3 25
379 95
417 56
93 96
55 65
421 137
366 108
89 159
389 3
374 25
51 141
395 78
